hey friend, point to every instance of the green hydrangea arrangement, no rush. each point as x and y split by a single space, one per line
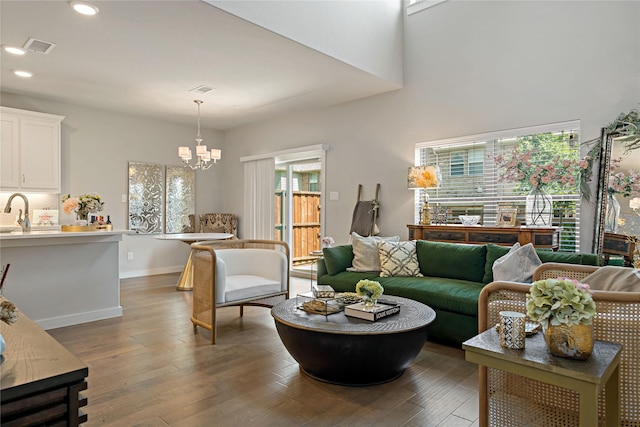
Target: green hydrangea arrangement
560 301
369 288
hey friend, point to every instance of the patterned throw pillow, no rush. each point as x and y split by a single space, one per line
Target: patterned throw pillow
365 252
398 259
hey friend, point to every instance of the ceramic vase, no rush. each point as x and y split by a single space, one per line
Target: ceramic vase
538 208
570 342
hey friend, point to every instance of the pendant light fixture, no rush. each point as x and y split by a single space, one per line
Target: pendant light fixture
204 157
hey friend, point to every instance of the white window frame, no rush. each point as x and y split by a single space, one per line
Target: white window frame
490 202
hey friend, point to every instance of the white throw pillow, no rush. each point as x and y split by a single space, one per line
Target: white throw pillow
398 259
365 252
517 265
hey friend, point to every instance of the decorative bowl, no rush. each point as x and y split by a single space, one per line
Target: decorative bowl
469 219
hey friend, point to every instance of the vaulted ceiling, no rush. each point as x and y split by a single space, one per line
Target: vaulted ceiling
144 57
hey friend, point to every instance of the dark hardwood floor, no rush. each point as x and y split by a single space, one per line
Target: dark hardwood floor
148 368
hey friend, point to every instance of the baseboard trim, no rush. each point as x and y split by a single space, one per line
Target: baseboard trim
78 318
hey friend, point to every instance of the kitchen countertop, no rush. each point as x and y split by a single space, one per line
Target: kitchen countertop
39 234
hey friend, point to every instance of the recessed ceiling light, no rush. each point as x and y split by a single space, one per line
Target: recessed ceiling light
84 8
14 50
23 73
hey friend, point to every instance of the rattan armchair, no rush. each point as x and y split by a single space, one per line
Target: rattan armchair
511 400
237 273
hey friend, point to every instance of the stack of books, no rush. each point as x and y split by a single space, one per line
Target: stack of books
377 312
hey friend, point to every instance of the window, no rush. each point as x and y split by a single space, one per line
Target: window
456 165
471 180
418 5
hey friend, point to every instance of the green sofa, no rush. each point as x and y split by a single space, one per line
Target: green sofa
454 275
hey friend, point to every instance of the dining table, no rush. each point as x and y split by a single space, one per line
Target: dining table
185 282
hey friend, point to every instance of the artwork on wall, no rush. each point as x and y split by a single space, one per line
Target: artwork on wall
146 187
180 200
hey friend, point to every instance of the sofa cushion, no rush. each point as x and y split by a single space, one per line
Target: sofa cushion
451 260
338 258
345 281
365 252
398 259
518 265
452 295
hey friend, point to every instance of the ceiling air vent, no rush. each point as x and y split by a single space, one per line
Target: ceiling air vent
39 46
201 89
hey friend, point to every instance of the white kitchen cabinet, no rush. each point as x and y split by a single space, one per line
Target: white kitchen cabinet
29 151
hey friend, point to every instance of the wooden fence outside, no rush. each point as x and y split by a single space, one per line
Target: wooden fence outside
306 224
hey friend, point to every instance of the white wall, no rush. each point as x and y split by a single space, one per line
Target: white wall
470 67
366 34
96 148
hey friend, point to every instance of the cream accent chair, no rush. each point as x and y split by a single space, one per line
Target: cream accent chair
219 223
511 400
237 273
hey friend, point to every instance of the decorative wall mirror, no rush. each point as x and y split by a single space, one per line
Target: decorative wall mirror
181 202
146 187
618 193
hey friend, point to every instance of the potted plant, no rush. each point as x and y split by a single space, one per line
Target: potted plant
565 309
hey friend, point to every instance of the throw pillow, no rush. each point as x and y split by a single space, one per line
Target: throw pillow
365 252
337 259
613 278
398 259
517 265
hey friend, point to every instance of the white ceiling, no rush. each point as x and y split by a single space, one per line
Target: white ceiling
143 57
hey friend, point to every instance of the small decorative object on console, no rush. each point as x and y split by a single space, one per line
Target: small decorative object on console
377 312
440 215
469 219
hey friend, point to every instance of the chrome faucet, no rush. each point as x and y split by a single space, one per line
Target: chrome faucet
25 224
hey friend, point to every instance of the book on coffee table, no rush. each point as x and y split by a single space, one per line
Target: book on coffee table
374 313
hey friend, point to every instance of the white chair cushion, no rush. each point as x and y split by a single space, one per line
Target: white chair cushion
243 286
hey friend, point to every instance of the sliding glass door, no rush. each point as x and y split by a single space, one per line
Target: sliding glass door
298 213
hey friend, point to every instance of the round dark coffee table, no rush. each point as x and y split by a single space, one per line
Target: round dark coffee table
345 350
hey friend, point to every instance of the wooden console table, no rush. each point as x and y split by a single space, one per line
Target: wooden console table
541 237
41 381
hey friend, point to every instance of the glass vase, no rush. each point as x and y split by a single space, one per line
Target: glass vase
369 302
612 214
538 208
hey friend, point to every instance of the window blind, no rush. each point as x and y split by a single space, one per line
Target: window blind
471 174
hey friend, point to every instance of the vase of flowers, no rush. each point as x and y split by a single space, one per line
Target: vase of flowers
369 291
82 206
327 241
558 172
538 208
627 184
565 309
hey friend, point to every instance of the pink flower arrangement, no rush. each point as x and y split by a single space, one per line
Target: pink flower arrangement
519 167
620 183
